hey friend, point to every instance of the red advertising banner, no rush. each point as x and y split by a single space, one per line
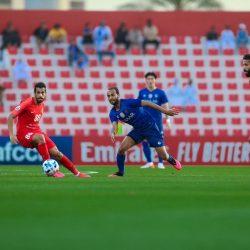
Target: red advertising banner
188 150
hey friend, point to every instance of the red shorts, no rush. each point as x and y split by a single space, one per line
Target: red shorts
25 139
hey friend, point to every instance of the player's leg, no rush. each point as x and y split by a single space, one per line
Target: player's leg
64 160
38 140
156 140
147 152
126 144
162 152
160 164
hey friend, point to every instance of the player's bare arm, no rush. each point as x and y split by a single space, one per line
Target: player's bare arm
169 112
13 138
114 130
166 106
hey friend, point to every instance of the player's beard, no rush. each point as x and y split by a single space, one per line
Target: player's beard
39 100
247 72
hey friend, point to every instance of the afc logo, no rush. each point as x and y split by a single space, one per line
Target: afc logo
37 118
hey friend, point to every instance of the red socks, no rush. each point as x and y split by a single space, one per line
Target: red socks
67 163
43 151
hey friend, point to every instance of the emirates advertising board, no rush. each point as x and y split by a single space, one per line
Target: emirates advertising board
189 150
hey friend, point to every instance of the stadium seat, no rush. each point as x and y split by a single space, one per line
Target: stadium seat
184 63
88 109
127 85
10 97
68 85
166 52
219 97
169 63
104 120
64 132
59 51
236 121
97 85
43 51
207 121
65 74
46 62
214 63
151 51
153 63
202 86
217 86
122 63
4 73
200 74
229 63
182 52
192 120
135 51
197 52
85 97
56 97
93 63
110 74
31 62
74 109
79 132
91 120
220 109
221 121
52 85
120 51
12 50
125 74
61 120
228 52
76 120
79 74
230 74
232 86
190 109
213 52
107 62
28 51
204 98
178 120
94 74
47 120
51 132
137 63
199 63
102 109
234 109
100 97
50 74
59 109
233 97
82 85
35 74
62 63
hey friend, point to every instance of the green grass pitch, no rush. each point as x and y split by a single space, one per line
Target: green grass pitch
197 208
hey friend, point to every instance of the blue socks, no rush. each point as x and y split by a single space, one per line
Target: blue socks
147 151
120 159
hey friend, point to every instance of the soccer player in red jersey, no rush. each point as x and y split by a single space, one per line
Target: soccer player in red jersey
29 134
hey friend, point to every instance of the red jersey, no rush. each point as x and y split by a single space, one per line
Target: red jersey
29 114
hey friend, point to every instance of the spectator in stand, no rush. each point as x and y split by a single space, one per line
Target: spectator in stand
227 38
1 94
10 37
76 57
150 33
212 39
103 40
242 36
175 94
135 37
190 94
21 71
87 36
121 36
57 34
41 33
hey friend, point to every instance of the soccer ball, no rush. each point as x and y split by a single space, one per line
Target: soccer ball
50 167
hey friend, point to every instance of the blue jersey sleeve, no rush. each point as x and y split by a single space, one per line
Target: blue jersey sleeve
164 98
112 117
140 95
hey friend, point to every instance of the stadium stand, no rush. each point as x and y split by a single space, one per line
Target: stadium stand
76 102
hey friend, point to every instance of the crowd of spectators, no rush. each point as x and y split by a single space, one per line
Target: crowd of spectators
227 39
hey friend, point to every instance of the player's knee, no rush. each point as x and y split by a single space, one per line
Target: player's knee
56 154
39 139
121 151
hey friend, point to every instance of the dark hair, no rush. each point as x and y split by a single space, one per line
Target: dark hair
116 90
150 74
39 85
246 57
